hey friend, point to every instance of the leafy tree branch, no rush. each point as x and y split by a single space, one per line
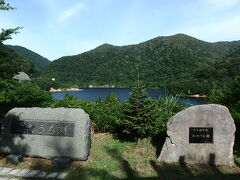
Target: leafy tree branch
5 6
6 33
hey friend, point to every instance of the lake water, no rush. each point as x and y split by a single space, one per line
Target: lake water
122 93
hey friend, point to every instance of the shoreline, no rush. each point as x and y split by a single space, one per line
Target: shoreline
80 89
193 95
52 90
64 89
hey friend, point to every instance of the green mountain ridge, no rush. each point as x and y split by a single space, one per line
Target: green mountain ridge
174 62
12 63
39 61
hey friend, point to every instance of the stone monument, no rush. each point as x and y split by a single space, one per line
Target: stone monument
47 133
200 134
21 76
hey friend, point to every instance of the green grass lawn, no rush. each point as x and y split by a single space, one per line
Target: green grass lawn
112 158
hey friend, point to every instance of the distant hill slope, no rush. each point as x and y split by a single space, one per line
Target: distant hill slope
39 61
222 72
173 62
11 63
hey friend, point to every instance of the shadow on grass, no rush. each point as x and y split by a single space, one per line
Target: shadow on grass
178 171
89 173
183 165
158 142
236 148
124 138
183 172
125 166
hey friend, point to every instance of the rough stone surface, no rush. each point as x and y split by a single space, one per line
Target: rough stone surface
41 174
4 171
32 173
14 159
61 163
75 146
14 172
52 175
177 147
21 76
23 172
62 175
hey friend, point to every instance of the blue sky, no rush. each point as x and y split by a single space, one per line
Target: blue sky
56 28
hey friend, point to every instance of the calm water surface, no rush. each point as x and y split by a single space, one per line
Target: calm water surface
122 93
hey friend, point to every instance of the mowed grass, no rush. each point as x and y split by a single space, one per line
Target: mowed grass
112 158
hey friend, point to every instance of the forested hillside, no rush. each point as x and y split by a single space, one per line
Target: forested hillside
39 61
11 63
178 62
222 72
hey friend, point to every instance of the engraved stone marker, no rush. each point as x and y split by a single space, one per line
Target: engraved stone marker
42 128
47 133
200 134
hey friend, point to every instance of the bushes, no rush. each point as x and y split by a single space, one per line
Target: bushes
6 87
105 114
230 97
22 94
139 117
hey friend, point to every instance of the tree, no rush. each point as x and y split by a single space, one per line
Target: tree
230 97
6 33
12 93
10 61
141 114
5 6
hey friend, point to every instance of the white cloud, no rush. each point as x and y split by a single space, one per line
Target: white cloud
68 13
